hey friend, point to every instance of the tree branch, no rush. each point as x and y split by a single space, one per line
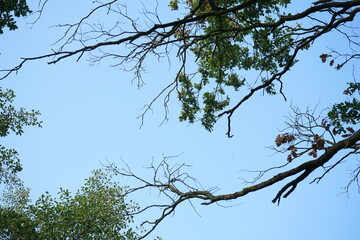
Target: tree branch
178 187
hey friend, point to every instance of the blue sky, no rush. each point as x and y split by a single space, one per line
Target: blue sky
90 115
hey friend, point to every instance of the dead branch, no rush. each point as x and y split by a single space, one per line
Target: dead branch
177 186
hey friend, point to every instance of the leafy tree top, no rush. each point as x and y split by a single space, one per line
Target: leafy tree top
97 211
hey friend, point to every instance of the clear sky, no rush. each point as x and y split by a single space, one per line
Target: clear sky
90 115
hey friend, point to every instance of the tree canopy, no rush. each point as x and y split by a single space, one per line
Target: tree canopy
97 211
226 42
229 51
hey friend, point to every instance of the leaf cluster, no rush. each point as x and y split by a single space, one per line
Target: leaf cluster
317 143
9 9
347 112
225 46
12 120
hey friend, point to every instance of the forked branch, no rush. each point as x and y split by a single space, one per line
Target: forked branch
176 186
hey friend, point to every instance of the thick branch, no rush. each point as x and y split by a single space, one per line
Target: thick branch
178 187
306 168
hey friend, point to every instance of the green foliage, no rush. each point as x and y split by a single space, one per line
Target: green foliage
187 95
230 46
347 112
211 107
97 211
14 222
174 4
9 165
12 120
15 225
10 9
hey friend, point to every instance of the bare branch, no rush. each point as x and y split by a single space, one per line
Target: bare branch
177 186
